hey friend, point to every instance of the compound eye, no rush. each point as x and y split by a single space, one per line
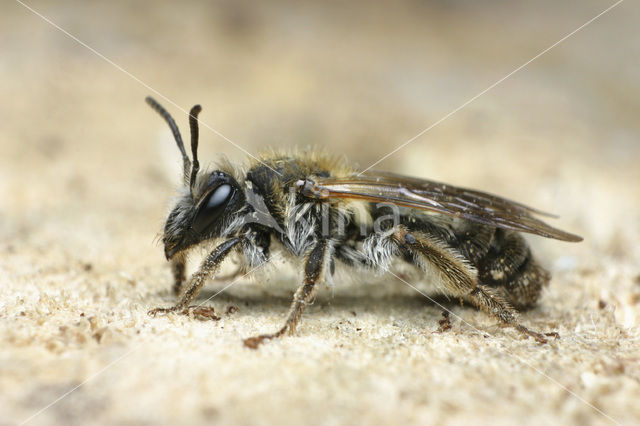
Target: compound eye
212 208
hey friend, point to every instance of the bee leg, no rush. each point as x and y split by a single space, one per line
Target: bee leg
178 267
460 278
209 266
314 269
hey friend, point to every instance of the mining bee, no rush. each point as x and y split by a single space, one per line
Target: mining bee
318 211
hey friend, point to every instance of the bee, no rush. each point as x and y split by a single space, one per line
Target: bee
318 211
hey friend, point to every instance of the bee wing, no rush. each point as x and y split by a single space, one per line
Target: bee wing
469 204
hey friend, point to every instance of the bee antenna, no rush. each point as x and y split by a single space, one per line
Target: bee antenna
193 124
186 163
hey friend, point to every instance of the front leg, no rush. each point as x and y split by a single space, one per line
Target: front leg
209 267
314 270
179 268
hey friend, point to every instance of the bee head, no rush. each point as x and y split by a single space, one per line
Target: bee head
211 201
204 214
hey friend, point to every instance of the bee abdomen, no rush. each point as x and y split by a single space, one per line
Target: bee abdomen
510 267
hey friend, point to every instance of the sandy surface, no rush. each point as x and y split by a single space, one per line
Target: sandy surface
87 171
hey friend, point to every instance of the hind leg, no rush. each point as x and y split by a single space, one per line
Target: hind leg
459 277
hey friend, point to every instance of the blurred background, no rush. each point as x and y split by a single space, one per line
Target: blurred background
87 169
80 147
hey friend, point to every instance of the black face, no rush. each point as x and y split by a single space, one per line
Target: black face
193 221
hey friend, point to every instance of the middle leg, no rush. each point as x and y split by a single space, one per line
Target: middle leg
315 267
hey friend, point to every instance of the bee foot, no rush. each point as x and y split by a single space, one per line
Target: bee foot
156 311
444 323
255 342
539 337
201 312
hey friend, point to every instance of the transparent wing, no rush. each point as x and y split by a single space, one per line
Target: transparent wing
423 194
